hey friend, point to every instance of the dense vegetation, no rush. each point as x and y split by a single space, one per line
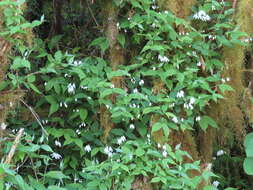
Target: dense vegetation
126 94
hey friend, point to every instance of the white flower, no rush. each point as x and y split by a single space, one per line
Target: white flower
180 94
153 68
223 80
77 63
108 150
84 87
121 140
112 86
57 143
201 15
228 79
71 88
131 126
163 58
198 118
3 126
67 75
82 125
56 156
135 90
78 132
209 166
159 145
199 64
220 153
175 120
178 146
141 82
192 100
165 153
216 183
87 148
154 7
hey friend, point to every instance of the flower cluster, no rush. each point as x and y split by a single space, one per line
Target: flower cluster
56 156
71 88
163 58
180 94
131 126
201 15
77 63
190 104
121 140
220 153
57 143
87 148
108 150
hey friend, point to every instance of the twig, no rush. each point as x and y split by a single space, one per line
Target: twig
234 4
14 146
36 116
92 14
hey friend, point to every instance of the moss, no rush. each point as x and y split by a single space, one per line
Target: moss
116 58
181 8
244 16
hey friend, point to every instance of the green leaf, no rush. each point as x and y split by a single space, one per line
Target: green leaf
248 165
83 114
112 91
136 4
225 87
79 143
56 175
155 180
102 186
117 73
54 105
1 185
139 152
3 85
151 109
121 39
157 126
31 78
166 130
20 63
53 187
207 121
248 140
35 89
46 148
101 42
210 187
